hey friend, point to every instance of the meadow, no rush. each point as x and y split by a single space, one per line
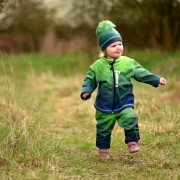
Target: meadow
48 132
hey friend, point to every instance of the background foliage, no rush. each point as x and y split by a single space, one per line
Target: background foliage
142 23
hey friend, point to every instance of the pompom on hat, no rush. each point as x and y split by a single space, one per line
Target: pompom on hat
107 34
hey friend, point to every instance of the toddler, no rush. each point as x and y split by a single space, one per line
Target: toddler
115 99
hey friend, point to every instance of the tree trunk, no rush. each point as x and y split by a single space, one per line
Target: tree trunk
166 34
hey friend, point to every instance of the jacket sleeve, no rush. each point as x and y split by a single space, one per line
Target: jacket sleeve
142 75
89 84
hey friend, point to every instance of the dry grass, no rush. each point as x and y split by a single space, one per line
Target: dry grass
47 132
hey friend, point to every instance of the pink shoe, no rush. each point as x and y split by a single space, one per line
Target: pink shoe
133 147
104 153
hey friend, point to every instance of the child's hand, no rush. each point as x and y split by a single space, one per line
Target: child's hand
162 81
84 95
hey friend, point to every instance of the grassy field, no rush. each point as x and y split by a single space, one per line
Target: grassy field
47 132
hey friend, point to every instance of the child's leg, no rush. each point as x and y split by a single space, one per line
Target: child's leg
129 121
105 125
132 135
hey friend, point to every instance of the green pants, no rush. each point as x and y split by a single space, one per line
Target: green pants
105 124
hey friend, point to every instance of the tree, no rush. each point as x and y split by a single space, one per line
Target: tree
165 20
2 4
156 23
26 17
25 21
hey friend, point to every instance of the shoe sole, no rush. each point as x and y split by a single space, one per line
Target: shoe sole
133 151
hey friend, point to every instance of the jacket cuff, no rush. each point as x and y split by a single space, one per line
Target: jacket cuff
86 90
156 82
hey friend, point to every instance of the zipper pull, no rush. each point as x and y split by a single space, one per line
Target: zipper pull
111 68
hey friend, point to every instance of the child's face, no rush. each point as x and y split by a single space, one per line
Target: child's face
114 50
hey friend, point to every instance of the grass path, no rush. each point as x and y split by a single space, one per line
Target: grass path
73 124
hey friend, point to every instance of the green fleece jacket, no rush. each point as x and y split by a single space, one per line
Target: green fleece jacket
113 78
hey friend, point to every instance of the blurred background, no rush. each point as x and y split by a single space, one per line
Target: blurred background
63 26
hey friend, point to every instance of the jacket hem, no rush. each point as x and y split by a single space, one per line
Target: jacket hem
115 110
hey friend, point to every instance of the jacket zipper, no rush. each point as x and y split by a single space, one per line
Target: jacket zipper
112 68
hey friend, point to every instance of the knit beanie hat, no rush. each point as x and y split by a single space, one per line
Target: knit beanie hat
107 34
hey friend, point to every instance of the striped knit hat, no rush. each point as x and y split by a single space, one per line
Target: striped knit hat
107 34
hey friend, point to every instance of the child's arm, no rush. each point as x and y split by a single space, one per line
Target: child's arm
145 76
89 85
